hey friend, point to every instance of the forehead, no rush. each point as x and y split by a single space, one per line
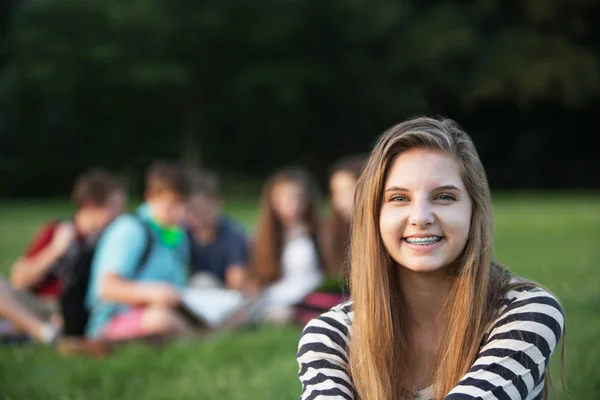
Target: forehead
423 169
171 197
287 188
202 198
115 196
343 178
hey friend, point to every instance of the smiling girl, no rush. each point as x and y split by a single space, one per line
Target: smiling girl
431 315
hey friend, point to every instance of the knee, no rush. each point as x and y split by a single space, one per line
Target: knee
158 320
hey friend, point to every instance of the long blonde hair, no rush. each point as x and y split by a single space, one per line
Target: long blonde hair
380 351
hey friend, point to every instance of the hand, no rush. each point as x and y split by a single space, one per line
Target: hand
251 288
161 294
62 237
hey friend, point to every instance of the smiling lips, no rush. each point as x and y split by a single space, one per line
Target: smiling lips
423 240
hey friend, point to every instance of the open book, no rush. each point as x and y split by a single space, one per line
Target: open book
212 306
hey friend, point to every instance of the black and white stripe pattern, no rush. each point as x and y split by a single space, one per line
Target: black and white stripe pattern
510 365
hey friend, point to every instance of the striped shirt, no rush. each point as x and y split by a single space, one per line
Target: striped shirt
510 365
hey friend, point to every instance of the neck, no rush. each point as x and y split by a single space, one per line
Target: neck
205 234
155 217
295 230
425 294
84 224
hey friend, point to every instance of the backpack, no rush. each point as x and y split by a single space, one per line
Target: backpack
75 268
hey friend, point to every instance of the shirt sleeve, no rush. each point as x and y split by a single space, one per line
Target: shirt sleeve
41 239
238 250
120 247
301 275
512 362
323 360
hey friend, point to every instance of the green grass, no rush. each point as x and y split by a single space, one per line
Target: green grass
552 239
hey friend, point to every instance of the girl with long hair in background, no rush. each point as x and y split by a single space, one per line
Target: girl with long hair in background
286 259
343 179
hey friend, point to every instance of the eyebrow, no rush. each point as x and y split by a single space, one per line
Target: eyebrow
401 189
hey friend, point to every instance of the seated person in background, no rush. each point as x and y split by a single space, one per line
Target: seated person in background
287 263
141 262
219 245
343 179
334 238
37 275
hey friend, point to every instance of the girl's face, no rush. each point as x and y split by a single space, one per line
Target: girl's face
342 186
289 201
425 211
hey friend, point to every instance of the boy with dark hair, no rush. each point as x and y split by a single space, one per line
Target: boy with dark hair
99 198
38 276
140 265
220 247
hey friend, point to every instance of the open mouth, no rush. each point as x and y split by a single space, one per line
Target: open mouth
423 241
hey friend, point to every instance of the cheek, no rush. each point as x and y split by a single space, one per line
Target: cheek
458 222
391 223
180 211
290 208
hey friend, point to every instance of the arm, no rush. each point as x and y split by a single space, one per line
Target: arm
322 358
116 289
235 277
513 361
27 272
115 261
50 244
236 274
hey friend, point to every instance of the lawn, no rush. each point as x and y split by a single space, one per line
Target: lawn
553 239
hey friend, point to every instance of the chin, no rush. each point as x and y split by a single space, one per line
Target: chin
423 267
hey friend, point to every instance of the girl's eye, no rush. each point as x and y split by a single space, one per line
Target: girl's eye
446 197
398 198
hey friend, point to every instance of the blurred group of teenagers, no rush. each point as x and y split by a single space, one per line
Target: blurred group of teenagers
104 275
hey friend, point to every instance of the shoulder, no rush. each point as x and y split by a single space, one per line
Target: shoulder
48 228
524 297
128 222
232 229
42 237
124 227
530 313
328 334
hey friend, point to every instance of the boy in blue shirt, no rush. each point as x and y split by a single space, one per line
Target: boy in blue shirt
134 289
219 245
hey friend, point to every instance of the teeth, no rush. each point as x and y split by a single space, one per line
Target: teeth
423 240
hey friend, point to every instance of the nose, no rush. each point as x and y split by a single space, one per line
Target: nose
421 214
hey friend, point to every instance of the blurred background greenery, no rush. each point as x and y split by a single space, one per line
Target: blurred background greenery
245 86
